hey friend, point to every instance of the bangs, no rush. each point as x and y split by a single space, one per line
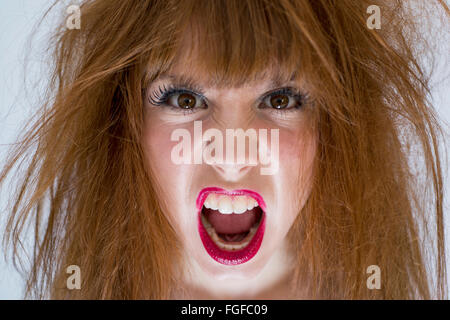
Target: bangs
230 42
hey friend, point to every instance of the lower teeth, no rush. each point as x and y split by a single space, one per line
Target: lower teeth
220 242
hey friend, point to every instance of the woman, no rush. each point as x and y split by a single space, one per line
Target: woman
135 178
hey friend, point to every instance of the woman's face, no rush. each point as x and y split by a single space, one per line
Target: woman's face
231 214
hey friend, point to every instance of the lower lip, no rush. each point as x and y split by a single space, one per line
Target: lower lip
238 256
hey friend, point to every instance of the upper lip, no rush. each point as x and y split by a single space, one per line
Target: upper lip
204 193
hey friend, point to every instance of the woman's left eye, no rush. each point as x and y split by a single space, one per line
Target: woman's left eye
283 99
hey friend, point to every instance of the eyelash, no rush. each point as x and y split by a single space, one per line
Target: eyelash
161 96
295 93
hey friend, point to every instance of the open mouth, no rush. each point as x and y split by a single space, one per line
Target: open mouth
231 224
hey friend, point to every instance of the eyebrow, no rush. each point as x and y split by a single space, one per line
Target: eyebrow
185 80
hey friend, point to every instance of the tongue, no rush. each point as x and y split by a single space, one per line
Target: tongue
232 223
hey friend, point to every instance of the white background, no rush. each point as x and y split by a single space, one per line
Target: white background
17 21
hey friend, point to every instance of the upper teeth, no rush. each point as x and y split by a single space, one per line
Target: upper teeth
227 205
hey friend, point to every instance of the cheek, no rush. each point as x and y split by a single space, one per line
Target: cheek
157 147
171 179
297 152
156 144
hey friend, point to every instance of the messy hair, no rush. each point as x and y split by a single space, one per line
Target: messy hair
89 196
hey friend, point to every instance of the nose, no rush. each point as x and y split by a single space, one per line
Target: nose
236 159
239 148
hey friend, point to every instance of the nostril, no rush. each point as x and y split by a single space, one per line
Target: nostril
244 168
219 168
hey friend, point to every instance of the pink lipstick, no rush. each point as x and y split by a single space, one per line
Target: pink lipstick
231 224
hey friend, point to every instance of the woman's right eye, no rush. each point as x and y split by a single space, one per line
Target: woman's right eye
178 99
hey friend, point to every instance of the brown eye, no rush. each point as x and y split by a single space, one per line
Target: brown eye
279 101
283 100
186 101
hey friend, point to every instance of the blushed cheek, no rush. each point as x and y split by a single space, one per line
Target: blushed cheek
169 177
157 145
165 174
297 153
297 148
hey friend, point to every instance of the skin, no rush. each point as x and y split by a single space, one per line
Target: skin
266 275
